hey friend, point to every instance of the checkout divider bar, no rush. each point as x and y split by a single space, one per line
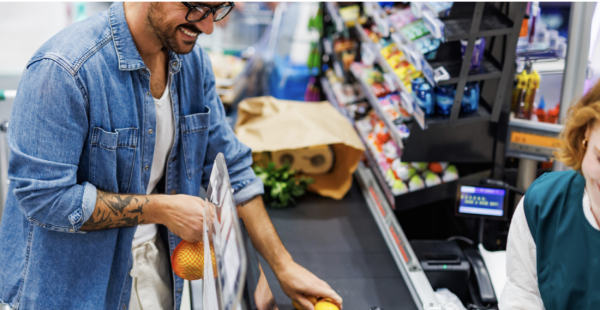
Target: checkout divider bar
396 240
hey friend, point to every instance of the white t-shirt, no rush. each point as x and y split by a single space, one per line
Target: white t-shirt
521 290
165 134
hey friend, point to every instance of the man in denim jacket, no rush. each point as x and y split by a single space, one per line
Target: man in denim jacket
85 136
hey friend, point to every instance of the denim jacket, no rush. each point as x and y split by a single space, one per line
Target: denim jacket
81 121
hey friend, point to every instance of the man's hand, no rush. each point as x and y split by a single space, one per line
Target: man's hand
184 216
295 281
298 283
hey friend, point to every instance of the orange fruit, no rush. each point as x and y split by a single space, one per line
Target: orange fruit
325 304
188 260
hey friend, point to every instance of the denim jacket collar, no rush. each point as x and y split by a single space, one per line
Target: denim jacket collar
129 57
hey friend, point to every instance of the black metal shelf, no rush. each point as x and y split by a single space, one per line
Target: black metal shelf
428 194
458 24
489 69
491 25
483 114
432 194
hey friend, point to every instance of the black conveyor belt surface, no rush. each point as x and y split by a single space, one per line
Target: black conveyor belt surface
340 242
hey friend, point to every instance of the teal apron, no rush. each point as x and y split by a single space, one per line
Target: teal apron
568 247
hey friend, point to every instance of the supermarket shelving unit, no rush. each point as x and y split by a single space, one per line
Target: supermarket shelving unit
474 139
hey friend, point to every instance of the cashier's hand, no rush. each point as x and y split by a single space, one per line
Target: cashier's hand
184 216
297 283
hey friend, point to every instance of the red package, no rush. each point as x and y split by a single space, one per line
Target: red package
552 116
379 90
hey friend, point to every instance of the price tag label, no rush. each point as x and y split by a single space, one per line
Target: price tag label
440 74
536 140
376 198
399 244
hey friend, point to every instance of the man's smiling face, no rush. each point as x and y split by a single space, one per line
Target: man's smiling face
167 21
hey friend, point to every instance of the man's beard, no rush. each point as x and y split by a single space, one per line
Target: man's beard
166 37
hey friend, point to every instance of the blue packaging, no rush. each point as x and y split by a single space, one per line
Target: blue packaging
423 94
478 51
470 100
289 81
444 99
416 83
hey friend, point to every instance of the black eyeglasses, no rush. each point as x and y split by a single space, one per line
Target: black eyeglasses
199 12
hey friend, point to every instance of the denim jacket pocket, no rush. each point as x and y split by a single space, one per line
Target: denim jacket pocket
194 132
113 154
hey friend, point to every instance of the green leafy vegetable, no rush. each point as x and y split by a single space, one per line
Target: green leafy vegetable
282 186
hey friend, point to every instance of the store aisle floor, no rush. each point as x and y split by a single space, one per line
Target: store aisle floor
339 242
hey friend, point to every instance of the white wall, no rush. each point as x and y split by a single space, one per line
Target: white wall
25 26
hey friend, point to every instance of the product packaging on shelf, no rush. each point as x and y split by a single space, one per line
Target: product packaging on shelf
477 52
470 99
401 177
444 98
423 95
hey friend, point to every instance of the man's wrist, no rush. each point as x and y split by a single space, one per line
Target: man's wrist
159 209
281 261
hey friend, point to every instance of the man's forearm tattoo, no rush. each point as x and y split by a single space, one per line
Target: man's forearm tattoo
116 210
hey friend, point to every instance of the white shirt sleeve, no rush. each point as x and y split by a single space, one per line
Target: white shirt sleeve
521 290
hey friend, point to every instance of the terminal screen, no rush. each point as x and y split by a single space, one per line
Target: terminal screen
481 201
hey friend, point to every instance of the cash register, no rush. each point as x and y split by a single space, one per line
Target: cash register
456 263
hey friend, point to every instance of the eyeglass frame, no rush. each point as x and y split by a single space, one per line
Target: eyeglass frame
211 10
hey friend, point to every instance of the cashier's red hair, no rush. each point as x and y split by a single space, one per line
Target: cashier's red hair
581 116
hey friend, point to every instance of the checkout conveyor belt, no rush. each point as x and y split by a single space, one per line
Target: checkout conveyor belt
339 241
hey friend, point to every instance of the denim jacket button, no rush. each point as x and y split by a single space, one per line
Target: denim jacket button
150 131
148 93
71 230
146 168
173 192
174 64
125 307
179 291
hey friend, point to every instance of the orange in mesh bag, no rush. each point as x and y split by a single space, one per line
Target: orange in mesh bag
188 260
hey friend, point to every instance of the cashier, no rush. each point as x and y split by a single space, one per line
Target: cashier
114 129
553 251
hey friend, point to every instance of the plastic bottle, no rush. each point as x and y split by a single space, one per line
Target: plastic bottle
444 98
532 87
470 99
540 112
519 91
535 19
423 94
553 114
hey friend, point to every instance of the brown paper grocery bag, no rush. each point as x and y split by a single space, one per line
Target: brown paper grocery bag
269 124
